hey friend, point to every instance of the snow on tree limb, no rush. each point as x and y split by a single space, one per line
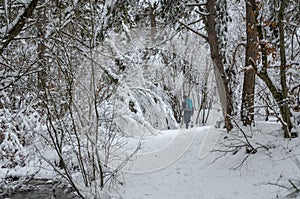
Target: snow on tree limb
16 26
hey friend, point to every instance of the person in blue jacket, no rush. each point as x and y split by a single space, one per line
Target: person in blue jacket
188 110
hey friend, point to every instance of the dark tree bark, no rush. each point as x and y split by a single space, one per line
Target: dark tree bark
280 95
222 83
17 28
247 109
42 74
151 15
284 107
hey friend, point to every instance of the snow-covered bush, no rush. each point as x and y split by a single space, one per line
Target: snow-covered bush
18 121
151 79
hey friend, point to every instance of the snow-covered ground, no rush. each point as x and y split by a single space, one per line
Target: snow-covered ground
206 162
181 163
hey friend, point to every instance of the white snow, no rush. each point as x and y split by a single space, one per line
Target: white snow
181 164
186 163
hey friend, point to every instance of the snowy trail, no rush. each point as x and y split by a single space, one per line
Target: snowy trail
195 174
183 178
163 150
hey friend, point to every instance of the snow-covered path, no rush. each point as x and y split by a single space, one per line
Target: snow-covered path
195 174
181 179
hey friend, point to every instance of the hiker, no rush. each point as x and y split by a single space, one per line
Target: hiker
188 110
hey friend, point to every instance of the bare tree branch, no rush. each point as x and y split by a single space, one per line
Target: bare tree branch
17 28
197 4
201 12
194 31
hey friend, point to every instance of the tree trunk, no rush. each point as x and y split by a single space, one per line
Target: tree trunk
284 108
247 109
152 20
42 74
152 16
222 84
279 95
18 26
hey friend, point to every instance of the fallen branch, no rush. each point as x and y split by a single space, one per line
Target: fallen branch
252 149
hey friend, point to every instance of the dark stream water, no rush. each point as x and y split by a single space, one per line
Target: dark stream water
41 190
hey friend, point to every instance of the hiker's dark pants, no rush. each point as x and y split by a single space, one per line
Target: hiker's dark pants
187 117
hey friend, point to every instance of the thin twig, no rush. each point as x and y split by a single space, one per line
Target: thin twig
194 31
294 186
245 136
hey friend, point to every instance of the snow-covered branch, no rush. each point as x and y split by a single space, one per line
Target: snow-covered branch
197 4
16 26
193 30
